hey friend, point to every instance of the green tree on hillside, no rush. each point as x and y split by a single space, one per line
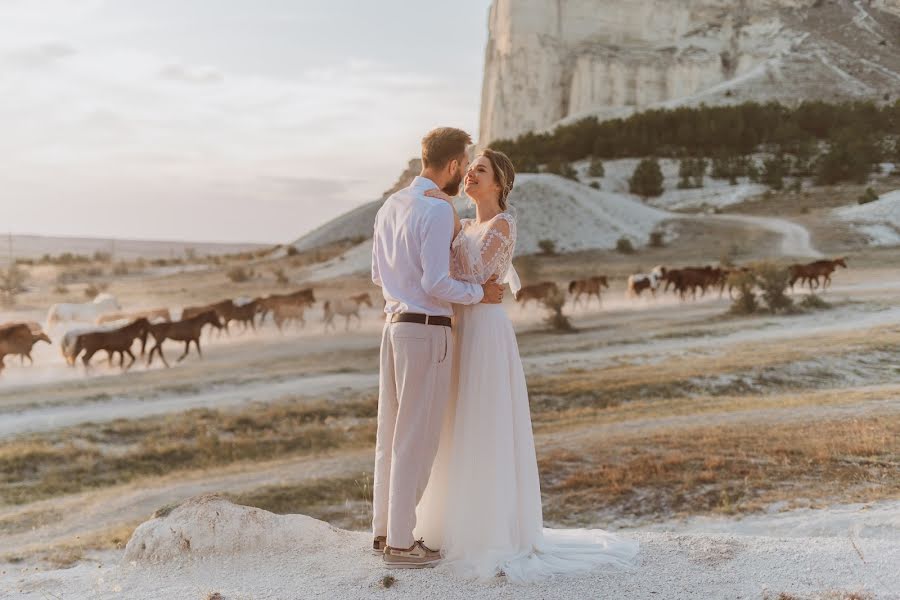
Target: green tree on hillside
647 179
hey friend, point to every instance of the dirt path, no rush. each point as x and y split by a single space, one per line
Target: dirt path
795 239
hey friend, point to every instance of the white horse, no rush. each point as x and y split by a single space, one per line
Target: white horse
346 308
86 311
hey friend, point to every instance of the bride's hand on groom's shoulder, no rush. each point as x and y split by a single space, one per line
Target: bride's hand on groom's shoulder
436 193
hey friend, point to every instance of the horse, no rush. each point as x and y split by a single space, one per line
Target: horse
692 278
590 286
811 272
118 340
283 314
70 339
300 298
224 309
639 282
244 313
346 308
186 330
86 311
154 314
19 338
536 291
36 331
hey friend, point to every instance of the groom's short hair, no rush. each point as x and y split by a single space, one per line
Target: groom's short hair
441 145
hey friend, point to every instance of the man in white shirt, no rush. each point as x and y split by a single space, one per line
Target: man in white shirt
411 263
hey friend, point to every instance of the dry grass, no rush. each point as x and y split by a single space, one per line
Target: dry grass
343 501
682 376
91 456
722 469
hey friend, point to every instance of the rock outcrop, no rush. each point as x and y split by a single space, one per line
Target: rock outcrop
551 60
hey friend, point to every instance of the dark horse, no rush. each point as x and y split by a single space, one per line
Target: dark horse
116 340
811 272
186 330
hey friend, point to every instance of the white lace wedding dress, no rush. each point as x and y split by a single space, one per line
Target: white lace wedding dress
482 505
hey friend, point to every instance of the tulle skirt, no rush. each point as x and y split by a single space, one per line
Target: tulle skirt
482 505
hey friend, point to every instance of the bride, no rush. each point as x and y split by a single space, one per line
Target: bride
482 505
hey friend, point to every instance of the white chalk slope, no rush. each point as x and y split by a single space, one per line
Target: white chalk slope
878 220
572 215
210 545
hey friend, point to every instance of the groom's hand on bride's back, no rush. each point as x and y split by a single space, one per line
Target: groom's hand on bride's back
493 291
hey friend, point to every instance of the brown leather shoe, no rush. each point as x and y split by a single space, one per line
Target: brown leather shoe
378 544
417 556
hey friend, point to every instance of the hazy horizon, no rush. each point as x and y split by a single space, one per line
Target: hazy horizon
218 121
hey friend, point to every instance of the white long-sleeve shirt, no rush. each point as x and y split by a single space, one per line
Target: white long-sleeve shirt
411 254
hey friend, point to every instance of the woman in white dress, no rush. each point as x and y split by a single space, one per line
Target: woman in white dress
482 506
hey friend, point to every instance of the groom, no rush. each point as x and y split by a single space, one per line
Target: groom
410 261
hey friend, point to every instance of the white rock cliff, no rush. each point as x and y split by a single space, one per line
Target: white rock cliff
551 60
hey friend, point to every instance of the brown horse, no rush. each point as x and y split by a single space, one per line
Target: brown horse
346 308
811 272
693 278
536 291
283 314
19 338
590 286
245 314
186 330
300 298
114 341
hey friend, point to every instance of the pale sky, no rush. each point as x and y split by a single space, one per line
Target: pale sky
222 120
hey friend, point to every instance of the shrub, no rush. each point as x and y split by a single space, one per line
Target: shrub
656 239
547 247
120 268
595 185
60 289
624 246
559 166
774 170
292 251
93 289
745 302
12 283
691 171
813 302
596 169
280 277
647 179
868 196
239 274
556 319
773 282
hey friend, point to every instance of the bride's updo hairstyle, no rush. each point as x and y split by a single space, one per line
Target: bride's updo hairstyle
504 173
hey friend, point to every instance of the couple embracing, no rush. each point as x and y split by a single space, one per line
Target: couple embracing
456 477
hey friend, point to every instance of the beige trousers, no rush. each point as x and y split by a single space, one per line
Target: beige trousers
413 390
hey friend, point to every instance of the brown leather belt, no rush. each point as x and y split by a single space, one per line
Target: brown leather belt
420 318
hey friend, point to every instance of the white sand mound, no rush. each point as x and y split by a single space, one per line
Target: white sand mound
208 545
878 220
209 525
576 216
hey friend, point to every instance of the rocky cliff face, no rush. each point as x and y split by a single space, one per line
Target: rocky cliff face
552 60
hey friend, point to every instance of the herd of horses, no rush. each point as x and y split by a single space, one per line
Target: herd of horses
684 282
115 331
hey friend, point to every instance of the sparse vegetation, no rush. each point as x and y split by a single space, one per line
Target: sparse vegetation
624 246
547 247
554 304
12 283
656 239
239 274
868 196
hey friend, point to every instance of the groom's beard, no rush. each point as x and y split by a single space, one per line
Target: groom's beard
452 187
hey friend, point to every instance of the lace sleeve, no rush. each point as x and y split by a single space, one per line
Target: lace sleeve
477 262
